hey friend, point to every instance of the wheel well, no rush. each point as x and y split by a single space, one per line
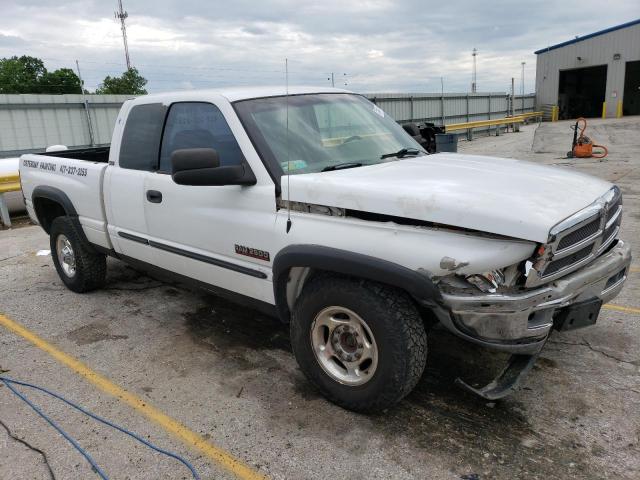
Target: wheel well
294 263
47 210
298 277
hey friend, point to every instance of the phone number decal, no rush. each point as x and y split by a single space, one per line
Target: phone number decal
78 171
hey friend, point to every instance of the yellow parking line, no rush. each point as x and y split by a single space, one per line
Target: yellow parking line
634 269
189 437
619 308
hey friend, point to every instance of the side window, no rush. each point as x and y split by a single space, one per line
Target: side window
141 137
198 125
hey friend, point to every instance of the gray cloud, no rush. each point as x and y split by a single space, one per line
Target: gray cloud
381 44
10 41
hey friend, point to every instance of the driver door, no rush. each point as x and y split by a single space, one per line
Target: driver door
205 232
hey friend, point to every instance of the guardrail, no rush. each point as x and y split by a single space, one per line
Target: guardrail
530 115
497 122
8 183
452 127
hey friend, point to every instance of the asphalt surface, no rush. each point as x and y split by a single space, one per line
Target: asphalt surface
227 373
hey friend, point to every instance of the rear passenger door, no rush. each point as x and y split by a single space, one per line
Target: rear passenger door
198 231
133 159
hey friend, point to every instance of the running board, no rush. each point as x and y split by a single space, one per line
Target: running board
517 368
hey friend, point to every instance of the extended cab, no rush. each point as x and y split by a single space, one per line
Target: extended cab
317 207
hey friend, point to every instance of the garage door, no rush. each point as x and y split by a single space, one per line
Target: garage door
581 92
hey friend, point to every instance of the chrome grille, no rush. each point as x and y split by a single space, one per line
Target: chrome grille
579 239
557 265
610 231
614 207
580 234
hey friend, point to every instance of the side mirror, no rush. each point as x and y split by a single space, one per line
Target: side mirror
201 167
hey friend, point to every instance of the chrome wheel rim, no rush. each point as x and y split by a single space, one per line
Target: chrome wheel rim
344 346
66 256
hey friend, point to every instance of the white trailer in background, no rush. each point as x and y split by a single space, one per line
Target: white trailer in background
13 202
10 201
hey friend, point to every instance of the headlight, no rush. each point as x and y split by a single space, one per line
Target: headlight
487 282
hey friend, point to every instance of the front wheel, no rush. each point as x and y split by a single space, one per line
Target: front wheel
362 344
79 266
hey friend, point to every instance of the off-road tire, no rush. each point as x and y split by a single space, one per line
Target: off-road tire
91 266
396 326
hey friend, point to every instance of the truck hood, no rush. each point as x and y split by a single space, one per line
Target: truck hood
495 195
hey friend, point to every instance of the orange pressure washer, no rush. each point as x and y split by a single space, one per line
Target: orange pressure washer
582 146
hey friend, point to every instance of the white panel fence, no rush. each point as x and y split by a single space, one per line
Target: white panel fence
30 123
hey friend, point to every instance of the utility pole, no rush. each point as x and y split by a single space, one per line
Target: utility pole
522 86
474 85
122 16
333 80
86 107
442 100
513 97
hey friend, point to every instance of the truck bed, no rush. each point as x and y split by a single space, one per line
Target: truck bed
92 154
74 174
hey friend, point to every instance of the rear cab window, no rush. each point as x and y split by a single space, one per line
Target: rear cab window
141 137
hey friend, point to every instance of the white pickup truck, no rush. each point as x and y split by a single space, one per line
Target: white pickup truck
317 207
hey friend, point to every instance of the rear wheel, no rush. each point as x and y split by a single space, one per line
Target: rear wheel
79 266
362 344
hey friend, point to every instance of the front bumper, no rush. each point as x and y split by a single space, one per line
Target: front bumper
520 322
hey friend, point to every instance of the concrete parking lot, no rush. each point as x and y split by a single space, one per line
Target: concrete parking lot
217 383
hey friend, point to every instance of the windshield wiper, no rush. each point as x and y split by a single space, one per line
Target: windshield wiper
403 152
341 166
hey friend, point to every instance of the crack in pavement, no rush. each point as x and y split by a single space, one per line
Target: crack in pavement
135 289
59 287
52 287
29 446
585 343
623 388
633 362
13 256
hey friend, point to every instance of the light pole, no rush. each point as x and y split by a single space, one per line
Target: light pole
86 106
522 85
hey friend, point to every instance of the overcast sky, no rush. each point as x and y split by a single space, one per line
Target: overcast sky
381 45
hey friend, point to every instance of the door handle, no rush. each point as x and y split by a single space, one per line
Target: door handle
154 196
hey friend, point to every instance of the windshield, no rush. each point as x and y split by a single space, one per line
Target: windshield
326 131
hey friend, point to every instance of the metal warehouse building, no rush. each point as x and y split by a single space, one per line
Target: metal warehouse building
591 76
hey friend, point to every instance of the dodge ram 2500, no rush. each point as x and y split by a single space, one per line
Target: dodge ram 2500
317 207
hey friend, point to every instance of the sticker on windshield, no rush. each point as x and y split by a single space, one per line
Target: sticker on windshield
378 110
293 165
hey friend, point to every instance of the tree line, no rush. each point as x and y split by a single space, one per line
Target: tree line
27 74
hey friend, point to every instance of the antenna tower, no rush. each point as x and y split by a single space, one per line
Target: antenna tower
121 15
474 85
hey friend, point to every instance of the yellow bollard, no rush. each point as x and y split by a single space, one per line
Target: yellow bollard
604 109
619 109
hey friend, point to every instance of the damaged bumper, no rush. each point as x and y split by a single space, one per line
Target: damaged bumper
520 322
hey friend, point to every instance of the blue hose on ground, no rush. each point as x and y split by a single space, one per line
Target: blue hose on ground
10 382
84 453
